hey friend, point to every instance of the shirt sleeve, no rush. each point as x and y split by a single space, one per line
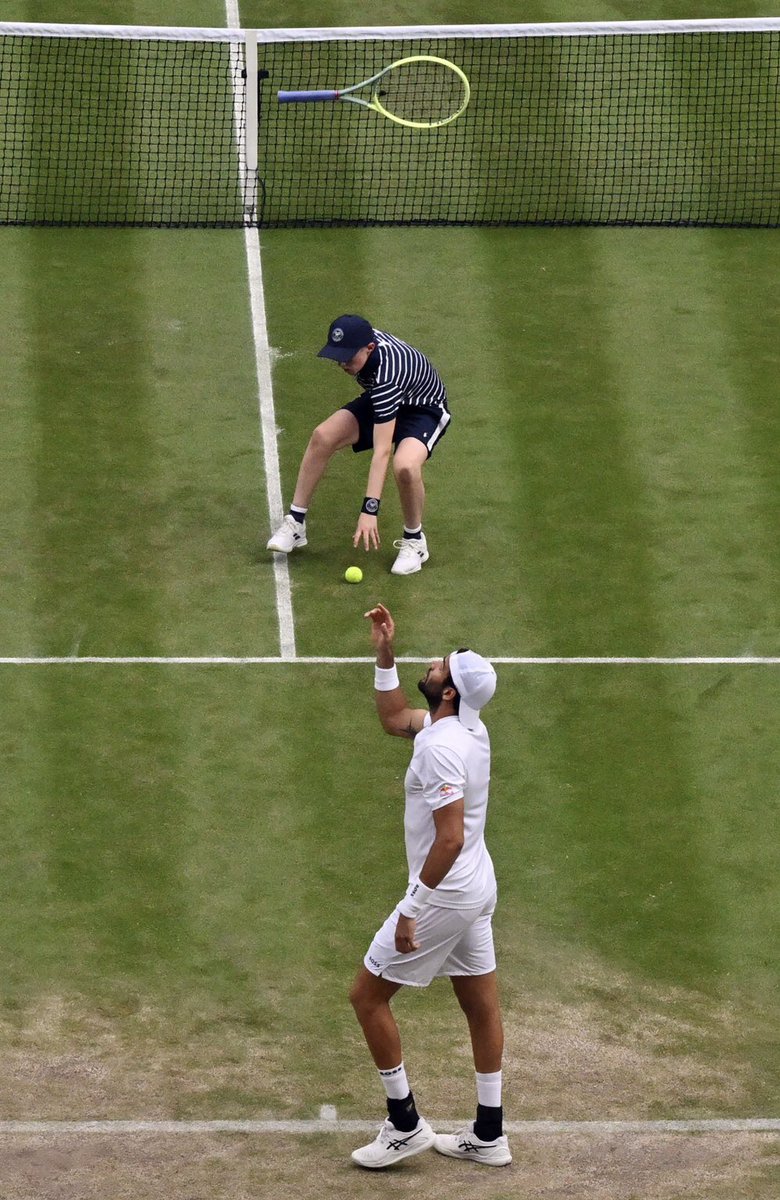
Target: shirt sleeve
385 399
443 776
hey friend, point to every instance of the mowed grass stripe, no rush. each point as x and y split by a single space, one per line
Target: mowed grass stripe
581 552
96 463
750 317
210 502
93 468
17 451
135 423
589 574
666 326
670 329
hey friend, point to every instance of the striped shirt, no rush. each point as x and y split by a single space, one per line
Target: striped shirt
398 376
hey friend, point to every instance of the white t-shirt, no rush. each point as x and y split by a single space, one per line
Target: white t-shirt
450 762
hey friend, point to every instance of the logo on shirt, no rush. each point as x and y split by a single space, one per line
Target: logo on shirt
337 335
446 790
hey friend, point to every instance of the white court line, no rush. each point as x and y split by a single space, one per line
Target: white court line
213 660
266 410
752 1125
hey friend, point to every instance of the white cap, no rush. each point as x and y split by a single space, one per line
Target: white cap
475 679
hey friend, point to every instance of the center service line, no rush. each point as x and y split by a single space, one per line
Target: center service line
273 484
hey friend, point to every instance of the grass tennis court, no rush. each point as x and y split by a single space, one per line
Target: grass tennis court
195 856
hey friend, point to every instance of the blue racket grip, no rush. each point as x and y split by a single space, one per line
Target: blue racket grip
293 97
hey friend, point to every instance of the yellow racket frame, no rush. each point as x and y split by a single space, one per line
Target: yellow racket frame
377 105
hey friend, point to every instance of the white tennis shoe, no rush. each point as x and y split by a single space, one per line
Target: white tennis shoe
391 1145
290 535
412 553
465 1144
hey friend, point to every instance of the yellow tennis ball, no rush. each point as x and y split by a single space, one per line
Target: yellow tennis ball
353 575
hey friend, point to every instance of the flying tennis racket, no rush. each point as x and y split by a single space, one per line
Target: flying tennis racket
422 92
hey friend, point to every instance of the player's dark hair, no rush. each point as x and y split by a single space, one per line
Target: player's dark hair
450 682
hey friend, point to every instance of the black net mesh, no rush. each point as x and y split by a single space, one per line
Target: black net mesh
656 129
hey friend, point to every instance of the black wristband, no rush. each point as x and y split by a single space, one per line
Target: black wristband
370 505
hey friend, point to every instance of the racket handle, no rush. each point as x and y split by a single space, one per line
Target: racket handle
301 97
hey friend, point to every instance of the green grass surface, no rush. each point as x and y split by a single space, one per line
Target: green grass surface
131 454
168 847
194 858
591 490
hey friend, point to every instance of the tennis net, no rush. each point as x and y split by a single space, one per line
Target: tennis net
645 123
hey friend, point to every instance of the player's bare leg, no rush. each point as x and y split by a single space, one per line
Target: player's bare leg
481 1141
478 997
338 431
408 461
405 1132
370 997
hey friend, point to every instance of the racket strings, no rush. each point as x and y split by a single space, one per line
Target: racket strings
427 92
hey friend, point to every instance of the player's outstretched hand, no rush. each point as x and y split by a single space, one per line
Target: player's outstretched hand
367 532
382 628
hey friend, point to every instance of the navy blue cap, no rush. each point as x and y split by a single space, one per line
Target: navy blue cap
346 336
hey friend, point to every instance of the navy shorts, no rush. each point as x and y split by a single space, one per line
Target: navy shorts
428 425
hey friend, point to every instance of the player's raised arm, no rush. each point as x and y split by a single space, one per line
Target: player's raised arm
393 709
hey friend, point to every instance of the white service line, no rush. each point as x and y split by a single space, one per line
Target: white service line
598 1128
273 483
217 660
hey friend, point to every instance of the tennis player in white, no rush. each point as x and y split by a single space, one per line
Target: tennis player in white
442 926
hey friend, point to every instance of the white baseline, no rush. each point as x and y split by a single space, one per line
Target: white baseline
217 660
334 1125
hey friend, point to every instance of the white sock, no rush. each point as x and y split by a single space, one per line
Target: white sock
396 1084
489 1089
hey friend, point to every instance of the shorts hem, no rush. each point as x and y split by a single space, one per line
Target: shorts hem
415 983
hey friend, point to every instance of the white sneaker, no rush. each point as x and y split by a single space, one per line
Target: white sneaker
391 1145
412 553
465 1144
290 535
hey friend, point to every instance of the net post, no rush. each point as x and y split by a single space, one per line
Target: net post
250 110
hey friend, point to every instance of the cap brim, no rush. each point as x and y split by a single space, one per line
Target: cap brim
337 353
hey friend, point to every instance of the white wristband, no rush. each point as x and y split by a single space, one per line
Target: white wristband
386 678
416 898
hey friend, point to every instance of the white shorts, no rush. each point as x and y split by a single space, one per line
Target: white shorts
453 941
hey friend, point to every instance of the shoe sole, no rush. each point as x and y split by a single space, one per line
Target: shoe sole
379 1166
282 550
482 1162
424 558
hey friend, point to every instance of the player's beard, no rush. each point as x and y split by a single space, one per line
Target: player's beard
432 691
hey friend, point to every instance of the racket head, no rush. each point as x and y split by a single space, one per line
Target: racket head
421 92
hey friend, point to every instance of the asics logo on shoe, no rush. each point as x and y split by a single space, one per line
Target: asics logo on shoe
400 1143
